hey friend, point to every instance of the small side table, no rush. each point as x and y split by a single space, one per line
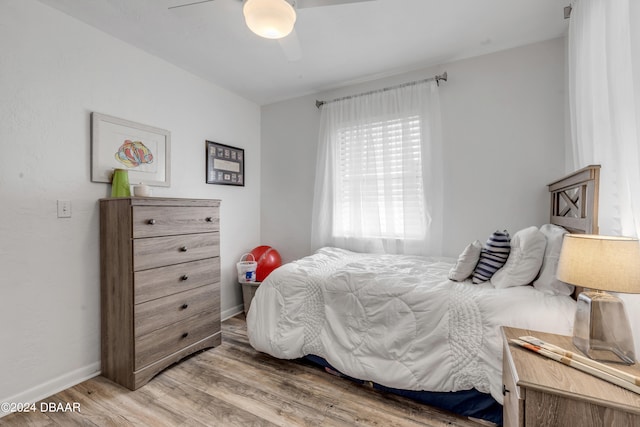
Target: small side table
542 392
248 291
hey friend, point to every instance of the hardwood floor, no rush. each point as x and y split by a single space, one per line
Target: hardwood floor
234 385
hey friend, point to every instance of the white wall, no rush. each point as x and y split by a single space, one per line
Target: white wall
290 132
54 71
504 135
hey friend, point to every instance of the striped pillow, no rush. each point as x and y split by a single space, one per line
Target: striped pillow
493 256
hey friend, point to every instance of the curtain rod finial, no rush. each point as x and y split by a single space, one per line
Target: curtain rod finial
442 76
567 12
319 103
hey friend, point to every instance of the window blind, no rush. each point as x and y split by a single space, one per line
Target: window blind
380 190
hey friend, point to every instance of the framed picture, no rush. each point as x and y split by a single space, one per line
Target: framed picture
225 164
144 151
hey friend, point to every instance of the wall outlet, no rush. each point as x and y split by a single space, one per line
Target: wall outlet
64 208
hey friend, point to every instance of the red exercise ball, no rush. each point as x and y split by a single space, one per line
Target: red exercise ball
268 259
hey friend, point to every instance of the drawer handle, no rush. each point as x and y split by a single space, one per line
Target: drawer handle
504 390
186 334
184 278
209 219
184 306
183 249
151 221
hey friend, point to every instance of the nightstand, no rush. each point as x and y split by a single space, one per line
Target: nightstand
542 392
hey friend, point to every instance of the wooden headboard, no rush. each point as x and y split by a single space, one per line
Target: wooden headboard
574 201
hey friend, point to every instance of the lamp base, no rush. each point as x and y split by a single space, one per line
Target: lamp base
601 328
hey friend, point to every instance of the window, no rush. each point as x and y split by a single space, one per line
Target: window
379 172
379 192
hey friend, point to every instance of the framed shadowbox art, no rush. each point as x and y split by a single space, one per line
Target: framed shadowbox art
225 164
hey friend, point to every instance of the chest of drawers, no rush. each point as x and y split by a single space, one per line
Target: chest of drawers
160 284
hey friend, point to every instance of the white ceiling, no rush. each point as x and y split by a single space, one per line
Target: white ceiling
340 44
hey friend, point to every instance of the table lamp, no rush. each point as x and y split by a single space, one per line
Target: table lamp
601 328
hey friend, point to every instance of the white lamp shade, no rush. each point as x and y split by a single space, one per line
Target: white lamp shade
605 263
271 19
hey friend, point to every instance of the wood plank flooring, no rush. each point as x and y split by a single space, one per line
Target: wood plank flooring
234 385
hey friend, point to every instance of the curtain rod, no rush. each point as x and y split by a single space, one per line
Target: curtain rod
437 78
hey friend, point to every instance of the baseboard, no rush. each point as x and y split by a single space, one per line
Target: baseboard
233 311
70 379
53 386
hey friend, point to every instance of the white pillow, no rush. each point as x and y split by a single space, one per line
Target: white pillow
525 259
466 262
546 281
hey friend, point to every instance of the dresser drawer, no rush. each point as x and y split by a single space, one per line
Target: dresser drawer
162 251
163 281
152 221
161 312
152 347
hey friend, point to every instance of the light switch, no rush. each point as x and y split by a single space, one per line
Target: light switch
64 208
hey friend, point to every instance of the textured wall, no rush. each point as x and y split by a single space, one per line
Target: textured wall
54 71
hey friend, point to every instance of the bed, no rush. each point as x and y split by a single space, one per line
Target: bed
400 324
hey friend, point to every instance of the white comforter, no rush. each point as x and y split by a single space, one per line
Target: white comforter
396 320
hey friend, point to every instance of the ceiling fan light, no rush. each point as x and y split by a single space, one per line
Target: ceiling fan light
271 19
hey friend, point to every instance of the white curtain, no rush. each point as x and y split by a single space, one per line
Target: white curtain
604 79
604 99
378 182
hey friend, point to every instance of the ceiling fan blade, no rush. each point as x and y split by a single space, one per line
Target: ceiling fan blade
291 46
173 4
302 4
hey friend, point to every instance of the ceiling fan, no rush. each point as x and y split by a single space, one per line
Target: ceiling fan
275 19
